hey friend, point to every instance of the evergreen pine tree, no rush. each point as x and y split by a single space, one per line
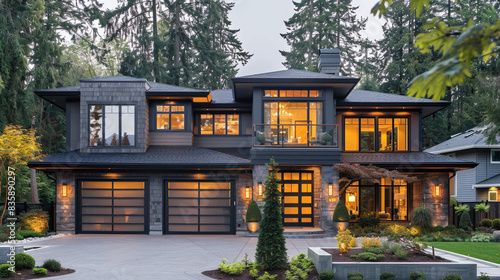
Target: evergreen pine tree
271 249
114 140
125 140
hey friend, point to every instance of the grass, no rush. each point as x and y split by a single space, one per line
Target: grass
488 251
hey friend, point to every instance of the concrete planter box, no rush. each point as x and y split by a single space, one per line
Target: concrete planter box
5 252
372 270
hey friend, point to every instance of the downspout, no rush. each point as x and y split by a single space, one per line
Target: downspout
449 196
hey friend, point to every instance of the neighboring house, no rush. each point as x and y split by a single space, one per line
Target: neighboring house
145 157
480 183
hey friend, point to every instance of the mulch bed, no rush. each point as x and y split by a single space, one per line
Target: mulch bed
26 274
412 256
217 274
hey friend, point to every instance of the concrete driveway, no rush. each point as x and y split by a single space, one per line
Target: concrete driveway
152 257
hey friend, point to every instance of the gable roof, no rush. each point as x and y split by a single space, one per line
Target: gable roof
488 183
469 139
115 79
159 88
291 74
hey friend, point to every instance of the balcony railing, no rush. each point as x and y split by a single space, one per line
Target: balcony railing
295 135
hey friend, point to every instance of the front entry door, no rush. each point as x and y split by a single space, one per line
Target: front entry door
297 190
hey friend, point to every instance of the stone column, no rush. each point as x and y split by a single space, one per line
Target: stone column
65 205
329 175
156 205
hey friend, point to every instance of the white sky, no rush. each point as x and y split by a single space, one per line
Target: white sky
261 22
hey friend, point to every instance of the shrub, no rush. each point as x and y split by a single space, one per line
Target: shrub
415 275
267 276
340 214
236 268
368 221
39 271
421 217
327 275
354 242
387 276
368 256
450 227
253 213
35 220
375 250
5 272
460 209
496 238
452 277
355 276
28 233
482 237
496 224
401 254
371 242
486 223
465 222
483 276
24 261
52 265
18 236
437 229
344 239
395 248
453 202
482 207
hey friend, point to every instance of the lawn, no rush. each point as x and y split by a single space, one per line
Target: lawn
488 251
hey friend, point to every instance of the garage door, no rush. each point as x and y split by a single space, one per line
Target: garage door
199 207
112 207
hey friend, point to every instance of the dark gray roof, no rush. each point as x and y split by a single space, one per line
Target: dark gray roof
405 160
159 87
154 157
366 96
490 182
470 139
292 74
61 89
115 79
223 96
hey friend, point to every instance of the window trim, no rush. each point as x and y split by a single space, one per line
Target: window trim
198 119
103 146
491 156
155 117
377 143
492 191
321 90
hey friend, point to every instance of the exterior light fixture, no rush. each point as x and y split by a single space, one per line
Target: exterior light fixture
330 189
437 191
260 189
247 193
64 190
352 198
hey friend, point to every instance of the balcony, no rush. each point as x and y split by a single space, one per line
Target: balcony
295 135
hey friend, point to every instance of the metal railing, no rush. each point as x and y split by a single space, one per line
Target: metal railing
295 135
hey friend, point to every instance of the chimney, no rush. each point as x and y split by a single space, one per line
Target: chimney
329 61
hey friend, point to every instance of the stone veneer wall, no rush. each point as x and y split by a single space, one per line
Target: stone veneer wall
423 195
113 93
65 206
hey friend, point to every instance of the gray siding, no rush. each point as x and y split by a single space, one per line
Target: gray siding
170 138
486 169
225 141
466 178
246 124
72 126
415 131
296 156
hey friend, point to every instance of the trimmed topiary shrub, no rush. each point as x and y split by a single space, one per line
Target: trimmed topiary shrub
387 276
486 223
327 275
465 222
355 276
340 214
452 277
24 261
52 265
39 271
496 224
368 221
415 275
421 217
5 272
253 212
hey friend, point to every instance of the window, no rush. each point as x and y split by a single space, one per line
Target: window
493 194
293 93
115 122
495 156
219 124
170 117
392 134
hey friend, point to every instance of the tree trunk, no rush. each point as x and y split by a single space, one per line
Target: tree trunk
34 186
177 45
156 62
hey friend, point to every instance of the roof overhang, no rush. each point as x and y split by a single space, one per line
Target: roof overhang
39 165
196 97
427 108
58 98
463 148
243 87
480 186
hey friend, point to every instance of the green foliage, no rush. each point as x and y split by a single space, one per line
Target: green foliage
496 224
52 265
437 228
35 220
482 207
29 233
452 277
39 271
463 208
253 213
395 248
486 223
340 214
465 222
327 275
387 276
482 237
18 236
235 268
453 202
375 250
401 254
300 267
450 227
415 275
355 276
368 221
368 256
421 217
271 249
5 271
254 270
483 276
267 276
24 261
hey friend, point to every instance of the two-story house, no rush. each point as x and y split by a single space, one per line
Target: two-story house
480 183
145 157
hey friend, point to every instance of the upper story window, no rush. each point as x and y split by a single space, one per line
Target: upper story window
219 124
495 156
170 117
391 134
293 93
115 122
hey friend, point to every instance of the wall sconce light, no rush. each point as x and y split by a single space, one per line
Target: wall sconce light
351 198
437 190
64 190
260 189
330 189
247 193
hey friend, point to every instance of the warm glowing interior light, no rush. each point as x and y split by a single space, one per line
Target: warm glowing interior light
330 189
64 190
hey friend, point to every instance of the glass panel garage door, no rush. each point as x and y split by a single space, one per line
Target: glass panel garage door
198 207
112 206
